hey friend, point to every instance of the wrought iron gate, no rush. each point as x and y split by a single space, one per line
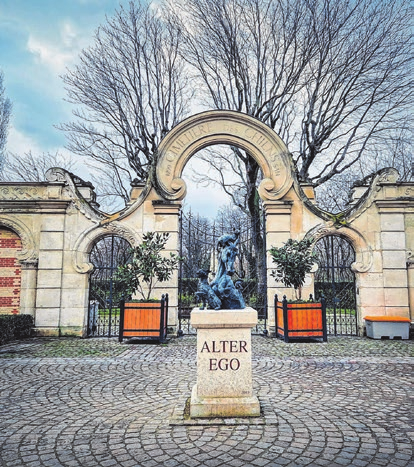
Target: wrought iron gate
198 242
336 281
104 291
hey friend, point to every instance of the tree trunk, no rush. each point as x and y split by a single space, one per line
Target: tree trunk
253 205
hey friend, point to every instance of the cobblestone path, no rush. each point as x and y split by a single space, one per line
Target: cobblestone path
73 402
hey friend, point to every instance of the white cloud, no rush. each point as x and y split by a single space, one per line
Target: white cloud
19 143
70 37
57 53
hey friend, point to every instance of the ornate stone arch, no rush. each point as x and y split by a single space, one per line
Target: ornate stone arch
30 251
223 127
363 252
85 242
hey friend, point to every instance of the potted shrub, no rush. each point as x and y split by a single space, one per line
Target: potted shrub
146 316
297 319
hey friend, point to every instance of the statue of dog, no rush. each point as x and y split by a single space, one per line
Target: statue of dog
205 293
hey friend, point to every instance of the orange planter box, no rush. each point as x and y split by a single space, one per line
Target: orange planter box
146 320
300 320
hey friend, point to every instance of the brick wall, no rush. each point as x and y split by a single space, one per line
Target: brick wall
10 272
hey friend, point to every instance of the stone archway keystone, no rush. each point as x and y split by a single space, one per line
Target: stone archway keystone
223 127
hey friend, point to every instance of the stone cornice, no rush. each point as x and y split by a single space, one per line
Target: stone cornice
395 205
30 206
277 207
166 207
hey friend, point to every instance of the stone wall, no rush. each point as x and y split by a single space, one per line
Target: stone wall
379 224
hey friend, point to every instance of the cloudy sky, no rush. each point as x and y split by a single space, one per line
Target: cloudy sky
39 40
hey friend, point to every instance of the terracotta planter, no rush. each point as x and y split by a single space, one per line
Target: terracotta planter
147 320
300 320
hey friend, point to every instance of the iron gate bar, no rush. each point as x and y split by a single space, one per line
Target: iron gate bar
106 255
335 256
265 331
196 234
330 240
180 287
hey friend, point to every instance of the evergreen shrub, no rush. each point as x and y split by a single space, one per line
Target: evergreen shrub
15 327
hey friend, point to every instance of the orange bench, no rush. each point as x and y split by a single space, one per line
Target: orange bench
387 327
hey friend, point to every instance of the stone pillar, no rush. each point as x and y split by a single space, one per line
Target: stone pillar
167 219
224 364
28 288
394 259
49 277
278 231
74 301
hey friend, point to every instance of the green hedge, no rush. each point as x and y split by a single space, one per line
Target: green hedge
15 327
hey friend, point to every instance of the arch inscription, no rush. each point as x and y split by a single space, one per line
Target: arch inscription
223 127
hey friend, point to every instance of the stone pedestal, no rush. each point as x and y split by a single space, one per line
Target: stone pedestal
224 364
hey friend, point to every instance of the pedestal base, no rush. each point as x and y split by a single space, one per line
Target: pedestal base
210 407
224 364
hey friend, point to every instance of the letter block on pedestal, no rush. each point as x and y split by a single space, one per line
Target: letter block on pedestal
224 364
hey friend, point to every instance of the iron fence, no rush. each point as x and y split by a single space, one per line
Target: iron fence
335 280
105 291
198 243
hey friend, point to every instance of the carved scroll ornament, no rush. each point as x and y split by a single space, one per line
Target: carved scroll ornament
86 241
30 251
57 174
363 252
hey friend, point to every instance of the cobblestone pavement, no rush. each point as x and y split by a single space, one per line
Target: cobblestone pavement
73 402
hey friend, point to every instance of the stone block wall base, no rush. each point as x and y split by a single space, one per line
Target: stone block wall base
212 407
64 331
45 332
71 331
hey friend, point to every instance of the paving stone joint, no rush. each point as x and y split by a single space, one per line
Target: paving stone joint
78 402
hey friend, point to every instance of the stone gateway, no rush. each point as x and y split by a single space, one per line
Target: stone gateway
57 223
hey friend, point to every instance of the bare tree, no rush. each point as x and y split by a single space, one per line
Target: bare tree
333 79
396 152
111 185
5 113
224 169
32 168
360 85
249 56
131 87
